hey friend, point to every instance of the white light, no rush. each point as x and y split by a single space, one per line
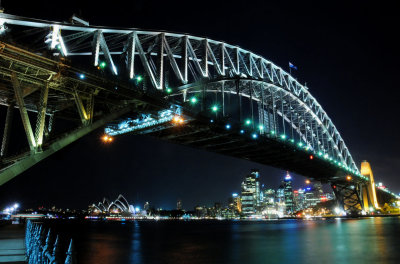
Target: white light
16 206
337 210
3 27
54 36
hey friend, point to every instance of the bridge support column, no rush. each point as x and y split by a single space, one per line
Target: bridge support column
370 190
7 130
349 197
23 111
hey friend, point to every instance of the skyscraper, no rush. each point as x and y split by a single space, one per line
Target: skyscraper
179 205
251 193
288 191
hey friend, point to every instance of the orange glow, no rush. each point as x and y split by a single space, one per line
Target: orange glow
107 139
178 120
348 178
308 181
311 157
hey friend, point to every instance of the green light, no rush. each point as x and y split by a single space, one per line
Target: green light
139 78
193 100
103 64
272 132
283 136
168 90
292 140
261 127
300 144
214 108
247 122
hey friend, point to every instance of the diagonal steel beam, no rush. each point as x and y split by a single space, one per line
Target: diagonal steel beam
22 110
25 163
41 116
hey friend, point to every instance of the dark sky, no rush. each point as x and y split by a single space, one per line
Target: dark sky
348 53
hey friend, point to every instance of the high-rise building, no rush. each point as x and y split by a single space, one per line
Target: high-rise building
288 191
250 196
235 205
179 205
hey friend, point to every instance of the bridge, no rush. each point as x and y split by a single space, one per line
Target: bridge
185 89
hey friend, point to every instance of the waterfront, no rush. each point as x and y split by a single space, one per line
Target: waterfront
367 240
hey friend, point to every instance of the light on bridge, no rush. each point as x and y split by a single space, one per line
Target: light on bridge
178 120
82 76
228 126
168 90
247 122
107 139
348 177
102 65
241 131
193 100
214 108
283 136
254 136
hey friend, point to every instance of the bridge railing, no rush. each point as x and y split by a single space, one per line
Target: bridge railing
41 250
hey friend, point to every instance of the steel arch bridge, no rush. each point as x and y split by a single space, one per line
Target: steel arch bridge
187 89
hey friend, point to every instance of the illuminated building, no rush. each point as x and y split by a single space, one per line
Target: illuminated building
250 196
118 206
179 205
288 193
235 204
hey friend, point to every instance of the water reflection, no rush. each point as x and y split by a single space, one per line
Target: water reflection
136 254
370 240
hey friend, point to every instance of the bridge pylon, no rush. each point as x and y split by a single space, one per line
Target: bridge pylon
369 192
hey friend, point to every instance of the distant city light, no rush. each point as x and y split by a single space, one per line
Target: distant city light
247 122
139 78
311 157
168 90
283 136
348 177
308 181
254 135
214 108
241 131
82 76
234 195
228 126
261 127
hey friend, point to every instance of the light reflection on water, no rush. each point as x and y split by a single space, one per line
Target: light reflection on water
369 240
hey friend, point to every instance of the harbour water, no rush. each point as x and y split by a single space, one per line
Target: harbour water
366 240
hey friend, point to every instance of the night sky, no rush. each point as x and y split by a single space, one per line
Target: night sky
347 53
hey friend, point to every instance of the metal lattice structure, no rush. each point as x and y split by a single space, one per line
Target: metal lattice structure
159 75
182 61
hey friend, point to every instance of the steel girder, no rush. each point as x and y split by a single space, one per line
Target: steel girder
194 58
349 196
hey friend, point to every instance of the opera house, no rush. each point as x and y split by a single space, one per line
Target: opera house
119 206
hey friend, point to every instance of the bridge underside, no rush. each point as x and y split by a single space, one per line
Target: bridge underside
201 134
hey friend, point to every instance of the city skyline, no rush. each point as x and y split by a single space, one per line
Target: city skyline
115 168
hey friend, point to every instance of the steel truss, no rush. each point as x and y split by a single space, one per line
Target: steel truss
349 196
179 60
